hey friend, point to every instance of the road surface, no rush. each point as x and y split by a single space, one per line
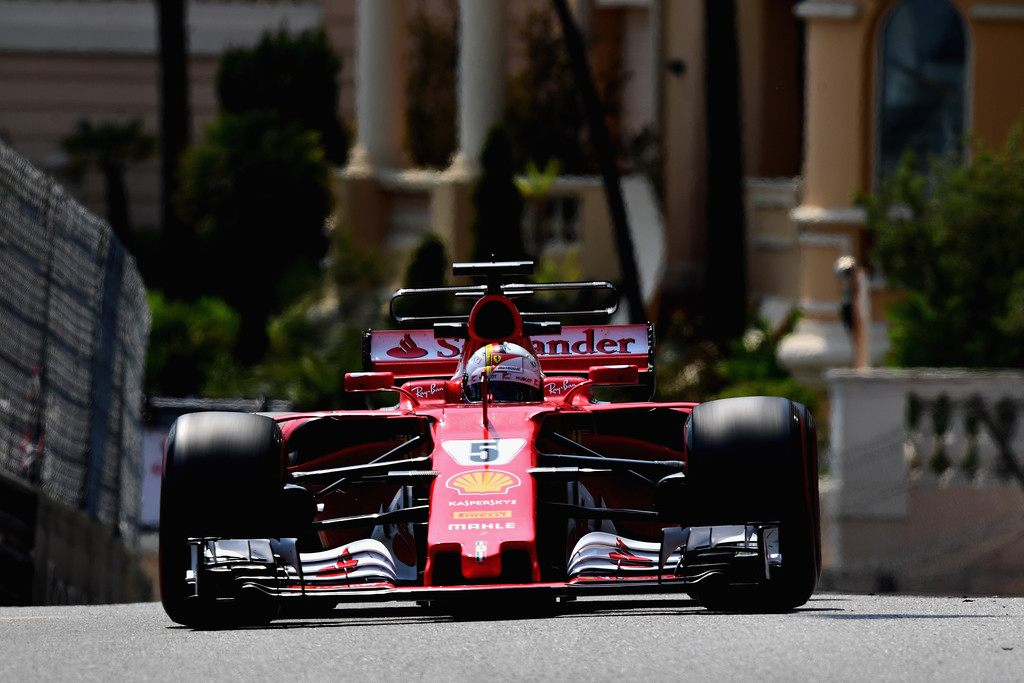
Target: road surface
835 637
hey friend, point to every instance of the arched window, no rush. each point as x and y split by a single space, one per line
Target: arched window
922 54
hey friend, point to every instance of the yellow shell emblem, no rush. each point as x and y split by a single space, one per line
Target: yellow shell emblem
483 481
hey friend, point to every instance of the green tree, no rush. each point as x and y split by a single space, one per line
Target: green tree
429 266
258 191
110 147
949 239
295 75
497 229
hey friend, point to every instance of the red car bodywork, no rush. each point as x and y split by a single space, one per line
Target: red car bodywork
435 495
483 497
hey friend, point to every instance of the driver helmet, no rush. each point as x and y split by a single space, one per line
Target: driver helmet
513 374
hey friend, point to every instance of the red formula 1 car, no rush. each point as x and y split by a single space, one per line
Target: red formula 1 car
495 473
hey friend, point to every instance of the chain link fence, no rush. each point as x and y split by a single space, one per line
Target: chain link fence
74 325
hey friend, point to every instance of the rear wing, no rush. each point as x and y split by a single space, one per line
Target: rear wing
416 354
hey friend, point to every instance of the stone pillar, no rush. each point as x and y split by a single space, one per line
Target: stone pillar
380 86
481 78
867 436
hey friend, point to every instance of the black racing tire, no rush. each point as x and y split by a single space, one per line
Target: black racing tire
222 475
755 459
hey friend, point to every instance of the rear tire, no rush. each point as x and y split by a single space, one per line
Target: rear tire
754 459
222 475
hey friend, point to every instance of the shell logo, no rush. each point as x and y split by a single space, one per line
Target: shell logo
483 481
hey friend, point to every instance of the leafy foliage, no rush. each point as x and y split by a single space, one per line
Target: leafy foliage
690 369
949 239
497 229
294 75
751 365
429 266
305 364
314 342
316 339
355 273
258 192
189 344
107 145
110 147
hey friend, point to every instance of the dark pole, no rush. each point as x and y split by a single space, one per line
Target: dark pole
175 134
117 203
594 112
726 281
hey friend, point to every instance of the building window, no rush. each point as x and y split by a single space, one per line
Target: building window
922 53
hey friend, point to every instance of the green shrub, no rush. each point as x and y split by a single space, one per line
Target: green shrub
188 344
949 239
690 370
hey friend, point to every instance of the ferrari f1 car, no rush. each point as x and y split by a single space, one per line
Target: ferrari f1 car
496 472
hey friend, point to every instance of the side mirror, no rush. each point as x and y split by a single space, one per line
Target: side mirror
605 375
377 381
614 374
369 381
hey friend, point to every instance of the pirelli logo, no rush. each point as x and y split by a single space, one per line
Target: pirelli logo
483 514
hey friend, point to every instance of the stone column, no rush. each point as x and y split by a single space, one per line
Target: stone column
380 86
481 78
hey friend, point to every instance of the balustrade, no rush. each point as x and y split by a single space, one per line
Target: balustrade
925 490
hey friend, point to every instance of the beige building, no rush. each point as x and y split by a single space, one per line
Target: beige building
880 77
831 91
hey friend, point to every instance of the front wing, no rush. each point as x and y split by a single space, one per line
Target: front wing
601 563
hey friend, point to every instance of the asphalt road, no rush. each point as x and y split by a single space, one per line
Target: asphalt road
833 638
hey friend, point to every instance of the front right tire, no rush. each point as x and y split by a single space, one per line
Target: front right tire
755 459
